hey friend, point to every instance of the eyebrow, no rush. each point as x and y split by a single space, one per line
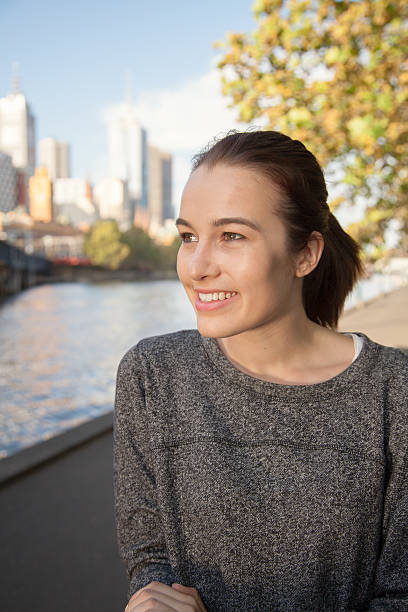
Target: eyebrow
225 221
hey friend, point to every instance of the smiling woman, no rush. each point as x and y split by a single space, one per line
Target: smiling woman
259 461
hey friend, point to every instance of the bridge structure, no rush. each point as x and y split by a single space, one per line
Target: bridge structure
19 270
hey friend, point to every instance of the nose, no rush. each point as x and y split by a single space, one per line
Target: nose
203 262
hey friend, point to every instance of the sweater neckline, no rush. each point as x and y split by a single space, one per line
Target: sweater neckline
352 374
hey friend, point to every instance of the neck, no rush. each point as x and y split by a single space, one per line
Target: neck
281 350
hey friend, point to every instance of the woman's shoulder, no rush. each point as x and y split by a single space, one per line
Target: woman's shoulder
390 358
385 368
159 348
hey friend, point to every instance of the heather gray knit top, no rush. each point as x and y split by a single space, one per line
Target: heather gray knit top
265 497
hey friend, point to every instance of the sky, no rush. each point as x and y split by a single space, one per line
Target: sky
74 57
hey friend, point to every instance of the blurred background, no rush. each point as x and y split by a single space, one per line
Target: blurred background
101 110
102 106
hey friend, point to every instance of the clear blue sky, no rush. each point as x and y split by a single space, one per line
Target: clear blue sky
73 57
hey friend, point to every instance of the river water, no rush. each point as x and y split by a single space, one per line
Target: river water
60 346
60 349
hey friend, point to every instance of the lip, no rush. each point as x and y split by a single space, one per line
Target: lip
207 306
198 290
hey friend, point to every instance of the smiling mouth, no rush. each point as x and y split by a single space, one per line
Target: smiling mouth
216 296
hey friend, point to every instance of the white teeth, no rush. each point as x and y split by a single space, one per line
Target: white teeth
214 297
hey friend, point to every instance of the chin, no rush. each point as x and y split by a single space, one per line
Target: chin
218 329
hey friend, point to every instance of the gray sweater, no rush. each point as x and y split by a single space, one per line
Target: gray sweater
265 497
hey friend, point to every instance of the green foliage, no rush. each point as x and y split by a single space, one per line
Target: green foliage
143 251
146 253
335 76
103 245
168 254
106 246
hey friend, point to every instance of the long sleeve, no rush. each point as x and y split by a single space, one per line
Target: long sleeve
141 542
391 581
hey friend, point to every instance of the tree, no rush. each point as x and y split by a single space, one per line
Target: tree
333 74
169 252
103 245
143 251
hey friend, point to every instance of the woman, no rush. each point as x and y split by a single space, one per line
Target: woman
260 460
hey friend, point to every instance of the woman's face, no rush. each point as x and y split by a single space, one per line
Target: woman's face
234 245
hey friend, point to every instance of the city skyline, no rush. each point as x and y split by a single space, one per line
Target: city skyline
50 195
73 70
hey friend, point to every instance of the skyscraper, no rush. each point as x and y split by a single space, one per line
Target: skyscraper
160 187
8 184
127 150
111 199
17 129
167 182
54 155
17 134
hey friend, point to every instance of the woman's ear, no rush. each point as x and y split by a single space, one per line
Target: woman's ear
310 255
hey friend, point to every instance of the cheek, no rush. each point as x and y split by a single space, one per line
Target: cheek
181 266
266 276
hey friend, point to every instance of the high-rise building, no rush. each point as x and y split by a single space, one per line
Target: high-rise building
167 167
160 187
127 150
54 155
111 199
40 190
17 129
73 202
8 184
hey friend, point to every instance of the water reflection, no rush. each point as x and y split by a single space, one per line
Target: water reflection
60 347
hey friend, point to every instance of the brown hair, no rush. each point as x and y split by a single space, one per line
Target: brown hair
299 177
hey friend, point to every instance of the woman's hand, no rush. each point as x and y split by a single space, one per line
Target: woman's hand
158 597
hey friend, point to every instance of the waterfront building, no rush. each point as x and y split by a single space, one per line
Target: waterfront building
112 201
54 155
17 135
73 202
22 190
8 184
40 194
160 188
141 218
127 152
17 131
52 240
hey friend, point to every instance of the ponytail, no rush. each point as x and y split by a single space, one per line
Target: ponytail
326 288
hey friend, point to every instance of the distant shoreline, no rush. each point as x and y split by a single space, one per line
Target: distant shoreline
96 274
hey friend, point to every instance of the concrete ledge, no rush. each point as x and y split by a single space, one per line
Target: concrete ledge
33 456
58 544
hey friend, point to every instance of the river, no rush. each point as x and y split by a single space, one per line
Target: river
60 345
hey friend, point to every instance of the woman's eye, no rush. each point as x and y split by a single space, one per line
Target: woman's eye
232 236
187 237
229 237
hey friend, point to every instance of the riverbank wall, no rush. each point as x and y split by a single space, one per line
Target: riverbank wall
58 547
94 274
19 271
